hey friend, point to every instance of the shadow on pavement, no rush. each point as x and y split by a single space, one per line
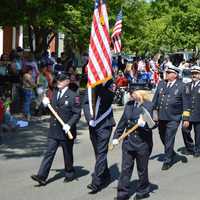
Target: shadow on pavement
30 141
159 157
176 158
24 142
79 172
133 186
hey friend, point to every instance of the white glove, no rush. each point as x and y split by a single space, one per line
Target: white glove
45 101
92 123
66 128
141 122
115 142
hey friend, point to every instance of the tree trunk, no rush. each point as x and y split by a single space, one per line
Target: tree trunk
41 44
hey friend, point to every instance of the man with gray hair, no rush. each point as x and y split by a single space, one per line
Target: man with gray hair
170 101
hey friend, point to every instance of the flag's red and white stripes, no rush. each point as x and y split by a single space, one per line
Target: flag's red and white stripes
99 64
116 36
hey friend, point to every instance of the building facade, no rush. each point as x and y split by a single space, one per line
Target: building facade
12 37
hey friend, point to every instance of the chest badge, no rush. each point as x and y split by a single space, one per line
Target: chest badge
176 91
161 91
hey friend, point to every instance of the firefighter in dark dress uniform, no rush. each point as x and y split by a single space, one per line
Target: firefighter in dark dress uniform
171 104
100 129
193 89
137 146
67 104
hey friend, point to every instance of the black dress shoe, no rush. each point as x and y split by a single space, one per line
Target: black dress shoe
118 198
138 197
39 179
94 188
184 159
187 152
166 166
196 154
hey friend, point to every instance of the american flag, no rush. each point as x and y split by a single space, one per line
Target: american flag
116 36
99 63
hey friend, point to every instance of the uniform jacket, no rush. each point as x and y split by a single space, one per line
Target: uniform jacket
106 96
171 103
194 105
142 138
69 109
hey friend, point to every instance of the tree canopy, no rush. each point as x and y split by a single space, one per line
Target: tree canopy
148 26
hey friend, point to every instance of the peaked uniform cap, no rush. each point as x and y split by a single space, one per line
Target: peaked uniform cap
137 86
61 76
195 68
172 68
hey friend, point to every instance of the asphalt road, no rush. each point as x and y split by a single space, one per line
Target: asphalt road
22 151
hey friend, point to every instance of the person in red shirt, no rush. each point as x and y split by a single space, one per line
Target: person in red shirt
121 80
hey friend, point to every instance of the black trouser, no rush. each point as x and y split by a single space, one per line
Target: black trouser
53 144
128 157
100 139
167 131
189 144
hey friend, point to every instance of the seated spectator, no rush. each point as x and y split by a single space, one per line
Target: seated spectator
9 122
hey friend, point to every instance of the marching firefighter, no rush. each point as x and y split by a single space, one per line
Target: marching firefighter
193 90
100 129
171 104
137 146
67 104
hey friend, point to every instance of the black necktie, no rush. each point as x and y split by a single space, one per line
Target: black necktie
193 85
169 85
136 105
59 95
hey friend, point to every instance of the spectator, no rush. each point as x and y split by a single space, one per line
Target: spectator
30 61
131 72
42 87
49 78
53 57
28 84
74 83
121 80
58 67
16 64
